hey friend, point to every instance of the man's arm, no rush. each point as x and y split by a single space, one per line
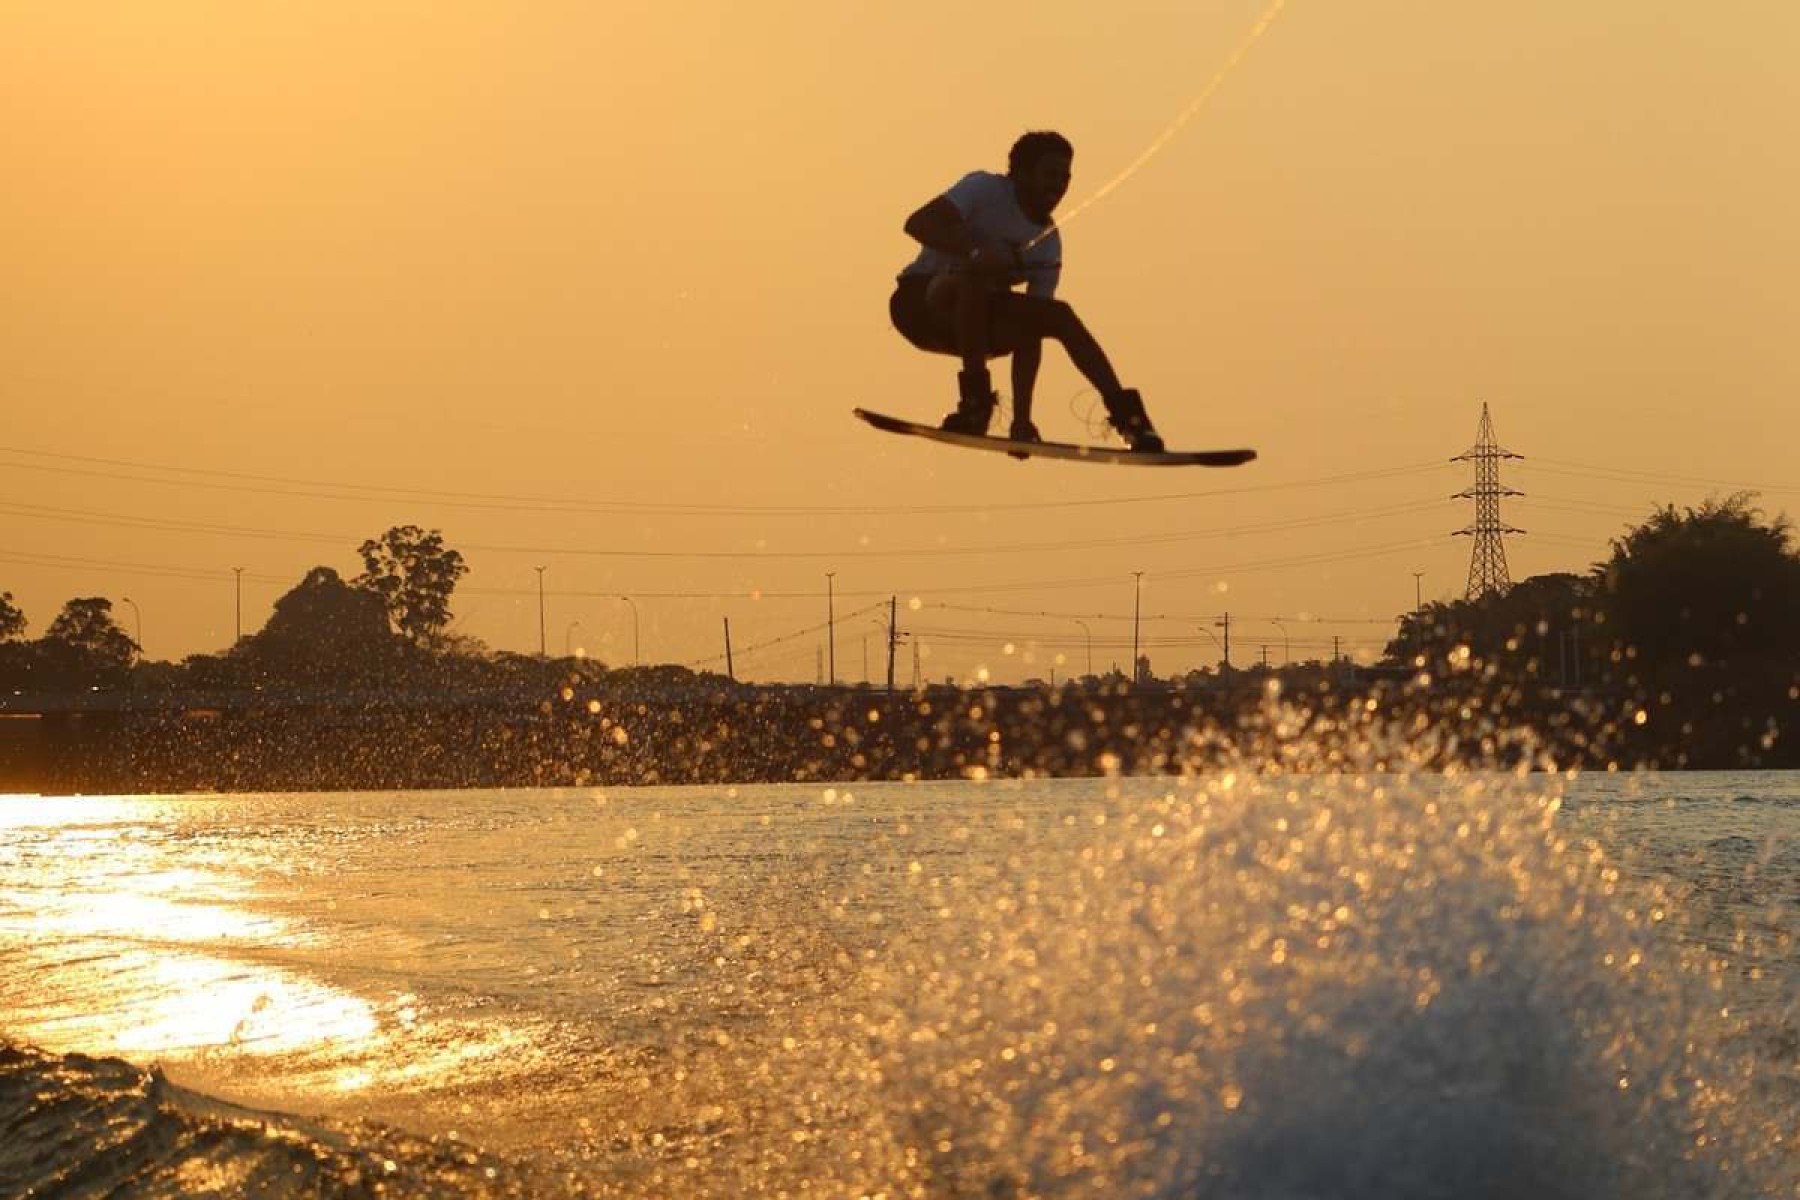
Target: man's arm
940 225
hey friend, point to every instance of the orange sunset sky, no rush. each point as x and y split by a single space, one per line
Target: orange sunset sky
594 286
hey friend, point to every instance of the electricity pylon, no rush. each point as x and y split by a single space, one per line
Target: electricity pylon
1487 565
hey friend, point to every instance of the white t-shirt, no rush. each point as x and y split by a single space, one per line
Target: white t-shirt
990 206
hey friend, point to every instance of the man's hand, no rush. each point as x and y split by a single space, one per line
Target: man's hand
994 259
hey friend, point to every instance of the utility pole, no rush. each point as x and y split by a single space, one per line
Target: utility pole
729 673
1335 652
1418 593
831 627
540 571
1225 624
239 571
1137 674
893 636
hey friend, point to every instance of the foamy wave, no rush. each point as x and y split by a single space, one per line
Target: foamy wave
84 1126
1356 987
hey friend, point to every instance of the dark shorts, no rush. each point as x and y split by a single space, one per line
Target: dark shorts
917 322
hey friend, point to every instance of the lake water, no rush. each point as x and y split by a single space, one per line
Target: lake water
1225 985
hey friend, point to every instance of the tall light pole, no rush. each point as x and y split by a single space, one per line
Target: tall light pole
1089 635
830 630
1418 593
140 622
1287 646
540 571
239 572
634 629
1209 633
1137 598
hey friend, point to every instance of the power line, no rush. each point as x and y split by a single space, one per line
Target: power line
1626 475
1063 616
303 488
754 647
1118 642
1213 571
1576 505
65 561
171 525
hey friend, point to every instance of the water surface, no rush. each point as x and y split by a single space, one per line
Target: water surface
1369 984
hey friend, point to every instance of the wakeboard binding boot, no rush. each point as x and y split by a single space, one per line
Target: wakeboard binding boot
1022 430
1125 412
975 405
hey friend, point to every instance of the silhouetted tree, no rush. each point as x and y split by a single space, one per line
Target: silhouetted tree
414 574
1714 583
1533 628
12 620
85 637
323 625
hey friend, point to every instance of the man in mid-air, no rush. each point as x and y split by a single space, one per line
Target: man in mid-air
980 240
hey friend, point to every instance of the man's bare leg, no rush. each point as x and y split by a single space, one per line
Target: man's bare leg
1028 318
1025 320
968 302
974 302
1025 359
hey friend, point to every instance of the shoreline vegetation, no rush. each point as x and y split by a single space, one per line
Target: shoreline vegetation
1681 650
585 726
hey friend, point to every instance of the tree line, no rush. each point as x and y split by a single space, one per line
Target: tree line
1701 598
395 613
1686 593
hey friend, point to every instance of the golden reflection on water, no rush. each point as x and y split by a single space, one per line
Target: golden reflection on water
111 948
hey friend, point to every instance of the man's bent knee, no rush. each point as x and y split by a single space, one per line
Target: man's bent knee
1054 319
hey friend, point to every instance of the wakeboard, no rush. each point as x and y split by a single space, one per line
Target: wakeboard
1064 450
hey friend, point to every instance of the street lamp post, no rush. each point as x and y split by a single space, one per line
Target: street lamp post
1137 597
1089 636
1215 637
239 572
139 618
830 631
634 629
1287 645
540 573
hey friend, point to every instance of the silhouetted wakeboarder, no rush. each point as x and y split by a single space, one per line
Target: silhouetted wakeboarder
979 241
